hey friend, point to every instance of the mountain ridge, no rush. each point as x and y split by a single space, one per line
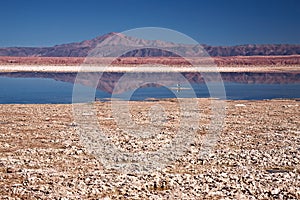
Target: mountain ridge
82 49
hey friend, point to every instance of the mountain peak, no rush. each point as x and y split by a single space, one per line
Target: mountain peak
111 34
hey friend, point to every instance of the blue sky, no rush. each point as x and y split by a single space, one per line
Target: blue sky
213 22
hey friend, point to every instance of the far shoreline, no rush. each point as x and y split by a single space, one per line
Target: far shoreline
269 64
148 68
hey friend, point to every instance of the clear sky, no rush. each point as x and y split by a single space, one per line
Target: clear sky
213 22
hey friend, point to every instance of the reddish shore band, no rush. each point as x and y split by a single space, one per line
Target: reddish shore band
152 64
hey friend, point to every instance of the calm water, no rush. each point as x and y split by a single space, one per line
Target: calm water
46 90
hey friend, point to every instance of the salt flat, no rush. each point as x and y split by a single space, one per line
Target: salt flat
147 68
257 155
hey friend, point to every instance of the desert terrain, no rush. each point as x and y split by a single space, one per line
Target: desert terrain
172 61
152 64
257 154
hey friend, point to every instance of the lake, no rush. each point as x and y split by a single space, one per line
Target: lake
42 88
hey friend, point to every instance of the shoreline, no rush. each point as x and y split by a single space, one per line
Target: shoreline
147 68
290 63
153 100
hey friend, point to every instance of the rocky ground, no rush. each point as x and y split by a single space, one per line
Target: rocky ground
257 155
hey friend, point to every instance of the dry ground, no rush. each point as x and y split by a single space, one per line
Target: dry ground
256 157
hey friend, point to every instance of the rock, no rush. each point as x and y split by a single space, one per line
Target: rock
240 105
275 191
10 170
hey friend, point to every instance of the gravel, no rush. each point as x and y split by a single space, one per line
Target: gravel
257 155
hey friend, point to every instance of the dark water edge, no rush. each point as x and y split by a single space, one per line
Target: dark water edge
56 88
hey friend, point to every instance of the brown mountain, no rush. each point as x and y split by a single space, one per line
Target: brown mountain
82 49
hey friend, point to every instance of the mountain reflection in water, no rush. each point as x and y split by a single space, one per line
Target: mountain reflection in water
108 80
58 87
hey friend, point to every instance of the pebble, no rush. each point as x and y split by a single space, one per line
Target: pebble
240 105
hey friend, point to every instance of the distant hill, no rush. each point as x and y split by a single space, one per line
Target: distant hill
81 49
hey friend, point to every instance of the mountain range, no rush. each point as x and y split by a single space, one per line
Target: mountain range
82 49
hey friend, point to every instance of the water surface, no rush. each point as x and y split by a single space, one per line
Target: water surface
40 88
